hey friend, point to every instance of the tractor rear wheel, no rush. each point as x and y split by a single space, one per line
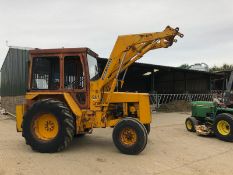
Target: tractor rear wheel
190 124
147 126
48 126
223 127
130 136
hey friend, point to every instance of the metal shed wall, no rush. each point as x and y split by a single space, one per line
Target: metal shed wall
14 73
167 80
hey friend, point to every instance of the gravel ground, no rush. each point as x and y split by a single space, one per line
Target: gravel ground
170 150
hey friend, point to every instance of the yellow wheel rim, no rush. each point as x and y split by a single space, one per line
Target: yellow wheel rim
46 127
189 124
128 137
223 127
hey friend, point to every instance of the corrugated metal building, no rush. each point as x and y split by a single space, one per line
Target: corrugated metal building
221 82
166 80
14 78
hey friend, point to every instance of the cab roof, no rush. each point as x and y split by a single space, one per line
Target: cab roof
63 50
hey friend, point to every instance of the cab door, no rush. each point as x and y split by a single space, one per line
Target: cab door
75 78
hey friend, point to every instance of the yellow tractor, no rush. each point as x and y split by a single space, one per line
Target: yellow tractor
67 95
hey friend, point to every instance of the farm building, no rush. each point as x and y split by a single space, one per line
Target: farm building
221 81
151 78
140 77
14 78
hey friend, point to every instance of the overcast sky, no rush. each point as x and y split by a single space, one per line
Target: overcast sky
207 26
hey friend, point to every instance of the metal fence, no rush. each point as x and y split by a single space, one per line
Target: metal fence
157 100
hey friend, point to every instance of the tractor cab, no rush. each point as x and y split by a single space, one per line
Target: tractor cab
69 70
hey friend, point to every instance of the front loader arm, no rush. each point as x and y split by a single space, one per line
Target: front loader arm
130 48
127 50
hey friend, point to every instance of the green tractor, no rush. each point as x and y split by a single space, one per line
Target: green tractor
209 118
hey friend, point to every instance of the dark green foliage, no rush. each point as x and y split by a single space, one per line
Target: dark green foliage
224 67
184 66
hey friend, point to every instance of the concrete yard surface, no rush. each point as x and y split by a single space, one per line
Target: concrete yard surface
170 150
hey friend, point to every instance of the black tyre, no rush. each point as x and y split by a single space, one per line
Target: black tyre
80 135
223 127
147 126
143 126
190 124
48 126
130 136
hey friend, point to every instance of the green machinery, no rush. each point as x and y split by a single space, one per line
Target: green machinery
208 118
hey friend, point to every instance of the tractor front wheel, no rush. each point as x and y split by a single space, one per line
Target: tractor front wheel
223 127
190 124
130 136
48 126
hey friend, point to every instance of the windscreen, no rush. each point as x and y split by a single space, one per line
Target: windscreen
93 67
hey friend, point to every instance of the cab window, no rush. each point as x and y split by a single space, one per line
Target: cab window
73 73
46 73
